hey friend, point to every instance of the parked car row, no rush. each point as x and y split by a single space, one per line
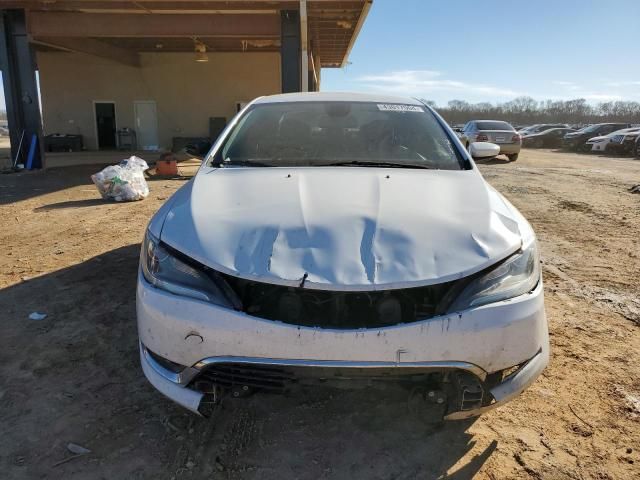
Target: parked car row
578 140
620 138
621 141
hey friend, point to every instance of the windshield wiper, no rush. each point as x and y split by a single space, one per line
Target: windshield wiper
243 163
365 163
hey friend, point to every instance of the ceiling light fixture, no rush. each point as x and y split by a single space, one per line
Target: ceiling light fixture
201 52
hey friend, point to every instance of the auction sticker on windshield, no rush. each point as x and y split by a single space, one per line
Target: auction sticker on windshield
387 107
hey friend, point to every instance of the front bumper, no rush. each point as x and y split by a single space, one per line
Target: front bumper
509 148
167 383
621 148
480 341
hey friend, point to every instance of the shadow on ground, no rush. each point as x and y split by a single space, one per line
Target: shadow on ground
89 202
75 377
15 187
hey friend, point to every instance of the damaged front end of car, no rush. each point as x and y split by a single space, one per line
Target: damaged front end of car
453 385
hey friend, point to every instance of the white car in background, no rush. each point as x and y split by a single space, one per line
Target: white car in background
600 143
341 239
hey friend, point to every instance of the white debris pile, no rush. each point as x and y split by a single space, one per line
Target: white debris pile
123 182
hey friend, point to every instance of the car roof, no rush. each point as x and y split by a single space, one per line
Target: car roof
336 97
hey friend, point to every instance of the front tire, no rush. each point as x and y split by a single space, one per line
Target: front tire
513 157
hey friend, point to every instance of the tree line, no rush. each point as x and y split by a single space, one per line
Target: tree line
527 111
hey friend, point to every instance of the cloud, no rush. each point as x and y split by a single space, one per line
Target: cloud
563 83
426 82
435 85
571 86
601 97
626 83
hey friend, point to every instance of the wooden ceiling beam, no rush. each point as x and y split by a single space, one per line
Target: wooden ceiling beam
68 24
91 46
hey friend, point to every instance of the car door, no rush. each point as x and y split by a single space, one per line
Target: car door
607 129
554 139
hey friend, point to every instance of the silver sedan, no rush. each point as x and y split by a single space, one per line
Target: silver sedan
494 131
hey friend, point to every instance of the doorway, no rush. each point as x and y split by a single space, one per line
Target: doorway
106 125
146 117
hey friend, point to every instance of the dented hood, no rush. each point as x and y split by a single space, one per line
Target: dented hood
342 228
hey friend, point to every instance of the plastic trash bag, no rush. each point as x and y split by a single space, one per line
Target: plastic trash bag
124 182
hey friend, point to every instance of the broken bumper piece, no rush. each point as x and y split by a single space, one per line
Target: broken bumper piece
510 387
274 375
169 383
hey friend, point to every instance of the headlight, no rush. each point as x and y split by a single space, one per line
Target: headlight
517 275
164 270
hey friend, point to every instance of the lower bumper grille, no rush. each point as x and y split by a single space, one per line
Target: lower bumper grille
252 376
245 378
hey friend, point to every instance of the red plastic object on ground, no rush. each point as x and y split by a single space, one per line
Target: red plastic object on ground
167 165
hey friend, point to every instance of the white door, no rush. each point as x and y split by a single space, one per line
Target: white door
146 116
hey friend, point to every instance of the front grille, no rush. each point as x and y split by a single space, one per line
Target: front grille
340 310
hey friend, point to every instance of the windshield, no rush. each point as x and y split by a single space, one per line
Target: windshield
329 133
487 125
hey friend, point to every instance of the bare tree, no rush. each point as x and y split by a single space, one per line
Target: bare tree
526 111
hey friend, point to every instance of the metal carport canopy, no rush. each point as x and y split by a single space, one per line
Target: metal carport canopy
225 25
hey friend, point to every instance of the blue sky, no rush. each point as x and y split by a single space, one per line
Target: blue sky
495 50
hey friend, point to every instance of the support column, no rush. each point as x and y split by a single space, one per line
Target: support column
17 62
304 53
290 50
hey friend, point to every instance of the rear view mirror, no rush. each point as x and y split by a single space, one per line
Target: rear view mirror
484 150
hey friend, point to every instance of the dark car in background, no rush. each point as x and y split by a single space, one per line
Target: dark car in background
551 138
577 140
540 127
636 148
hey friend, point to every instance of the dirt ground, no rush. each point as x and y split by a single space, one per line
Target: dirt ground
75 376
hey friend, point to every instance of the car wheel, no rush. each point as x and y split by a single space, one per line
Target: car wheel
513 157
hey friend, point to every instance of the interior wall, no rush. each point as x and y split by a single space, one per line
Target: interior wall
186 92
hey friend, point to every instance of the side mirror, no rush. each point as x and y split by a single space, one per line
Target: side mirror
484 150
